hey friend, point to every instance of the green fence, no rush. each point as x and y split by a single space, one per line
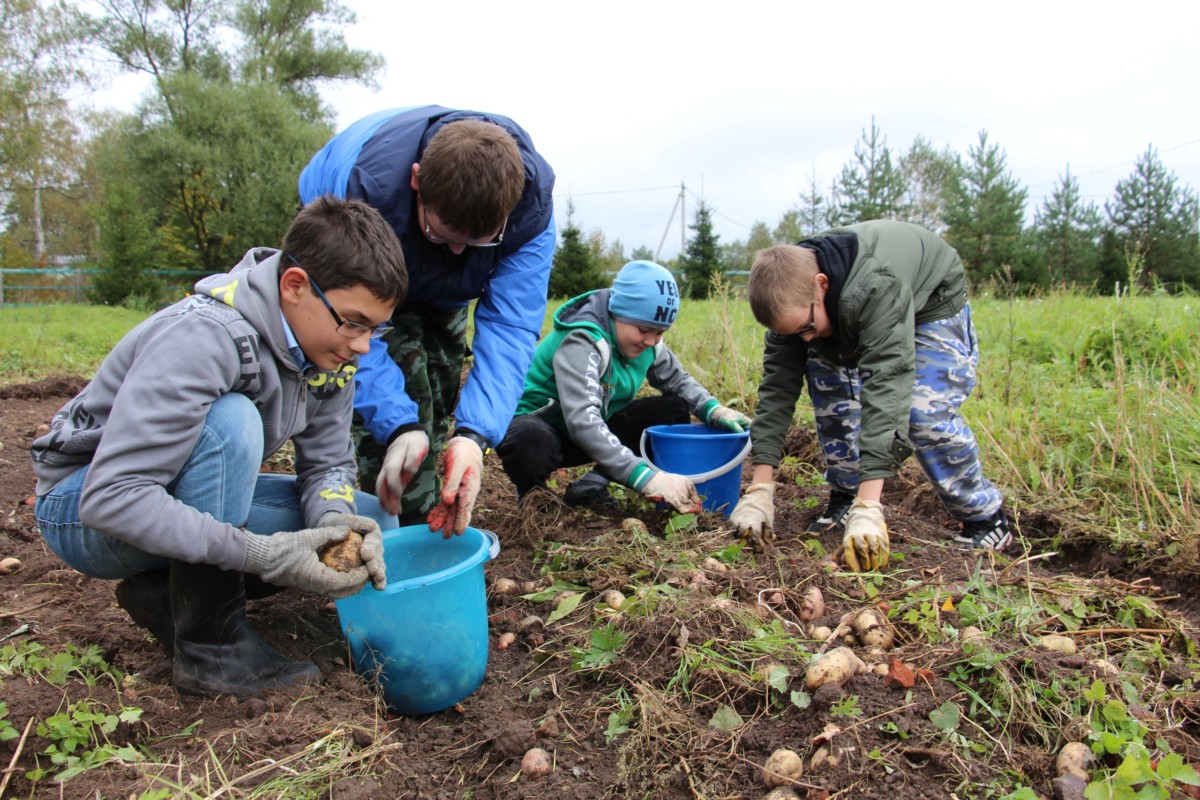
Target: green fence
51 285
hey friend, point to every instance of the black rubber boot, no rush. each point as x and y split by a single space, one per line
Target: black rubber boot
216 650
146 599
590 491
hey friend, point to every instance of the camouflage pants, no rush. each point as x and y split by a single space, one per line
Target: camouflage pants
947 354
430 346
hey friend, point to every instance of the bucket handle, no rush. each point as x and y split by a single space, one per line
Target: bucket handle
703 476
493 546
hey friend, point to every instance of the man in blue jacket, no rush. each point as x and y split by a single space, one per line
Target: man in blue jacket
471 202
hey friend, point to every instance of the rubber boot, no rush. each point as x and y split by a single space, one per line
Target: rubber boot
146 599
216 650
590 491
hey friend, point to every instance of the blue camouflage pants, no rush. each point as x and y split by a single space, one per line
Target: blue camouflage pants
947 354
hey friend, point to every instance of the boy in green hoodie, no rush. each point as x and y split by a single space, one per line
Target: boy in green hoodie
580 402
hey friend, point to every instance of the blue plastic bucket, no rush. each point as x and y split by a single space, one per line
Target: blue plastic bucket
425 636
710 457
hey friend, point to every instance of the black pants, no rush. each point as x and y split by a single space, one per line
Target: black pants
533 448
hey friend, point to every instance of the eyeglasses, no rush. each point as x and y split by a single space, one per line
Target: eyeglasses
347 328
439 239
812 320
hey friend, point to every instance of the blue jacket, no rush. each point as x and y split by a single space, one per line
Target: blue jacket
372 160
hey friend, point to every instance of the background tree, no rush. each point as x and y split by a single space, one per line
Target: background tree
572 271
701 262
984 212
1154 218
642 253
871 186
738 255
927 175
40 150
1066 234
813 209
607 258
790 228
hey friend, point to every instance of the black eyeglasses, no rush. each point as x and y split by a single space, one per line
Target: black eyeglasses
812 320
439 239
347 328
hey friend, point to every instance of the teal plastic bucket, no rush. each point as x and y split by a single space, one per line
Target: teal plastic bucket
710 457
425 636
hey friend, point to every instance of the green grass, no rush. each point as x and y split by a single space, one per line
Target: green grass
1085 406
59 340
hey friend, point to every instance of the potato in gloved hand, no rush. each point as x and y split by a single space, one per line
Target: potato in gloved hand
345 555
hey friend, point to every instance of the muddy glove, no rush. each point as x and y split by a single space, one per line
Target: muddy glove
727 418
290 559
866 541
372 546
754 515
460 487
403 459
675 490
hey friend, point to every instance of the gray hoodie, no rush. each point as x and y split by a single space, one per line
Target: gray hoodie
140 417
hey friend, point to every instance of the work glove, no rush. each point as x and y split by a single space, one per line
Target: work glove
290 559
865 545
403 459
460 487
675 490
727 418
372 546
754 515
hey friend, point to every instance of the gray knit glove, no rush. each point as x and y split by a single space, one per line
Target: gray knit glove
290 559
372 546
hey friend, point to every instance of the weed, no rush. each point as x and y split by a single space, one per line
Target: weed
846 708
79 740
603 648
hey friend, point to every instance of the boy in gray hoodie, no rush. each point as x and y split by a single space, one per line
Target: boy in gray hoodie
151 475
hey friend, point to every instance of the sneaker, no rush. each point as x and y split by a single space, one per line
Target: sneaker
992 533
834 515
590 490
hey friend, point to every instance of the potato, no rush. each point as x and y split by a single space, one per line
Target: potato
812 604
1059 644
633 526
345 555
613 599
505 586
872 628
783 767
713 565
821 633
838 666
971 632
781 793
1074 759
822 759
724 604
536 764
9 565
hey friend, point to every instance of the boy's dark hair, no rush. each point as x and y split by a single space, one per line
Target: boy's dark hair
346 243
471 176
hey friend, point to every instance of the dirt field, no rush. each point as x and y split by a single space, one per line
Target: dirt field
692 704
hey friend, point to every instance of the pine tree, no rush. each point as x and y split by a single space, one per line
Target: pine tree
1155 217
872 186
985 207
701 263
1066 234
572 271
813 210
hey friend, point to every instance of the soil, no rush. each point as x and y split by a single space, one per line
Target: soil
341 742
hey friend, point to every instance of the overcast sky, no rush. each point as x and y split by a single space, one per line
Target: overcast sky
744 101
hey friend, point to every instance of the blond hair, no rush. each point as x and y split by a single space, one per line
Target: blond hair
781 277
472 176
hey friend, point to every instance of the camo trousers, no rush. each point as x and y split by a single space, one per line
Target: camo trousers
430 346
947 354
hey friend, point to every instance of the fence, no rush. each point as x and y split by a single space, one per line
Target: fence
48 286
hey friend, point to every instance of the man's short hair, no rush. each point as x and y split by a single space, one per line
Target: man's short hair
781 277
346 243
472 176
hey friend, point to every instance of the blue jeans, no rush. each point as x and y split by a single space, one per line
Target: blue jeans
220 477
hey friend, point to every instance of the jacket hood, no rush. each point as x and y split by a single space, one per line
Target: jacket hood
252 287
585 311
835 256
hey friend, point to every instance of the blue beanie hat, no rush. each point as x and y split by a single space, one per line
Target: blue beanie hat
644 294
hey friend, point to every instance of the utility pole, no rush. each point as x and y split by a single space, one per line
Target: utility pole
679 204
